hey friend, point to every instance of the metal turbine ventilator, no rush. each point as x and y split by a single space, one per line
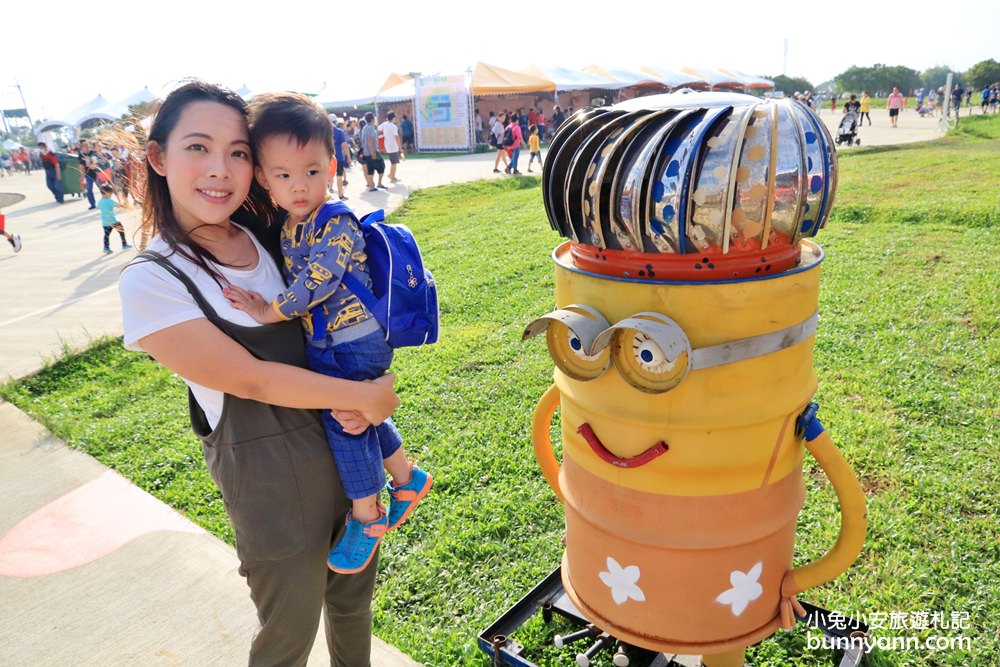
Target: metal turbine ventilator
690 186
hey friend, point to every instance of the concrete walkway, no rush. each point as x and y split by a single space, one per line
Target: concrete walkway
94 571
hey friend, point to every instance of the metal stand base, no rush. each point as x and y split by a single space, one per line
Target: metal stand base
549 597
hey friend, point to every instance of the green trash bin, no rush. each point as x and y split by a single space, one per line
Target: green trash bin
72 174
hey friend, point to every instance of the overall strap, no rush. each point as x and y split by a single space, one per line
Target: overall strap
185 279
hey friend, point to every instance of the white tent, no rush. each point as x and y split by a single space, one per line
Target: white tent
400 92
715 78
70 119
621 77
570 79
114 111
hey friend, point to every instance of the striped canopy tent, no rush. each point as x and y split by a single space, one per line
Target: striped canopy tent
493 80
749 80
404 91
394 80
626 78
715 78
570 79
676 78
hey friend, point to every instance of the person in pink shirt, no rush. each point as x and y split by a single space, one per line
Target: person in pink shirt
894 103
515 148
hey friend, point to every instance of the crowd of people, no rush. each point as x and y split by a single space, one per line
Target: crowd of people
508 132
19 161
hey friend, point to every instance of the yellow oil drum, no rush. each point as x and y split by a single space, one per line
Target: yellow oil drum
681 504
686 309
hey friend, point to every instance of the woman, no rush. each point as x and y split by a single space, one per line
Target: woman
496 133
252 402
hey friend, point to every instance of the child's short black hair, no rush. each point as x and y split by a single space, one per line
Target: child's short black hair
289 115
532 128
107 190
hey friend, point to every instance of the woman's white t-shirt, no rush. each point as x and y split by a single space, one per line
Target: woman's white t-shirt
153 300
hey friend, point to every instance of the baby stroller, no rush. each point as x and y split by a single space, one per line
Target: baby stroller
848 130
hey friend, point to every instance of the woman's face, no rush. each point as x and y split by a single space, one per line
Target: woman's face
207 164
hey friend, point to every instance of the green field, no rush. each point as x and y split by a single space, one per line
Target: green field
907 358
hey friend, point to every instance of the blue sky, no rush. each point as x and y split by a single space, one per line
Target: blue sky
115 48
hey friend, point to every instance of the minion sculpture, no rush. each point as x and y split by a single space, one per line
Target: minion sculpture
687 299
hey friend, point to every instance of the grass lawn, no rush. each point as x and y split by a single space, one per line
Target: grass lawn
906 353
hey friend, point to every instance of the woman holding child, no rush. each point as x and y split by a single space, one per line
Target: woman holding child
252 400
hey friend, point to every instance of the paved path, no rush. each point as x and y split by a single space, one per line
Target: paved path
94 571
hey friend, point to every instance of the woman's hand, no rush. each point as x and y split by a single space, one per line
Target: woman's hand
251 303
384 400
351 421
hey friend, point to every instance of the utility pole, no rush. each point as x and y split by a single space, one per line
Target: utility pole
943 125
23 103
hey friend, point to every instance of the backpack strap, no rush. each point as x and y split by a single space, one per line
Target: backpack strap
351 281
328 212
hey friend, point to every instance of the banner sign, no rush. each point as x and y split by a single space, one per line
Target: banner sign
442 111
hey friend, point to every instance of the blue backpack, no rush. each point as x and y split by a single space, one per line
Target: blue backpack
403 297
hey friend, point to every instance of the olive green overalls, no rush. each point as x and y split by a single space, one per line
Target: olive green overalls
287 505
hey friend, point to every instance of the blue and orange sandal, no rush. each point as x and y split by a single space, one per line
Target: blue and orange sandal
403 499
352 553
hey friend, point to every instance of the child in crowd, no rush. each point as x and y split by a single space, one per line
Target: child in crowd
120 175
108 220
292 143
534 147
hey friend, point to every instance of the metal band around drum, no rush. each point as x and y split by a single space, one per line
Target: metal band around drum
756 346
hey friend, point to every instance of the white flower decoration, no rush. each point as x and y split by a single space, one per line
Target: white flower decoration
745 589
621 581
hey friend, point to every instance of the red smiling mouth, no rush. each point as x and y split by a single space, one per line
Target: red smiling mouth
657 450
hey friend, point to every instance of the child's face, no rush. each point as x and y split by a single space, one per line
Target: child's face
295 175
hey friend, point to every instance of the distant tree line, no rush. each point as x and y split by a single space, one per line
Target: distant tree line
880 79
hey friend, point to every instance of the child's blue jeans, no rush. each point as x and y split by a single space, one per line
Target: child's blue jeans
358 457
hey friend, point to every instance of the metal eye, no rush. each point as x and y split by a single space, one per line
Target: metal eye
570 333
649 356
651 351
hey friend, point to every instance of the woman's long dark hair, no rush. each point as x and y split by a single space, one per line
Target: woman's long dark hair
256 212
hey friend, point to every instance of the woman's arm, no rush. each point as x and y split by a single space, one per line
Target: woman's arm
198 351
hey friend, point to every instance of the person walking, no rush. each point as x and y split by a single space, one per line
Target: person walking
409 138
109 220
342 154
53 172
894 103
372 155
13 239
956 100
252 401
24 160
514 127
90 165
866 107
393 147
496 140
534 147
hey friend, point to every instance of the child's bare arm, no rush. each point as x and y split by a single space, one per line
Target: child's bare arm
253 304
